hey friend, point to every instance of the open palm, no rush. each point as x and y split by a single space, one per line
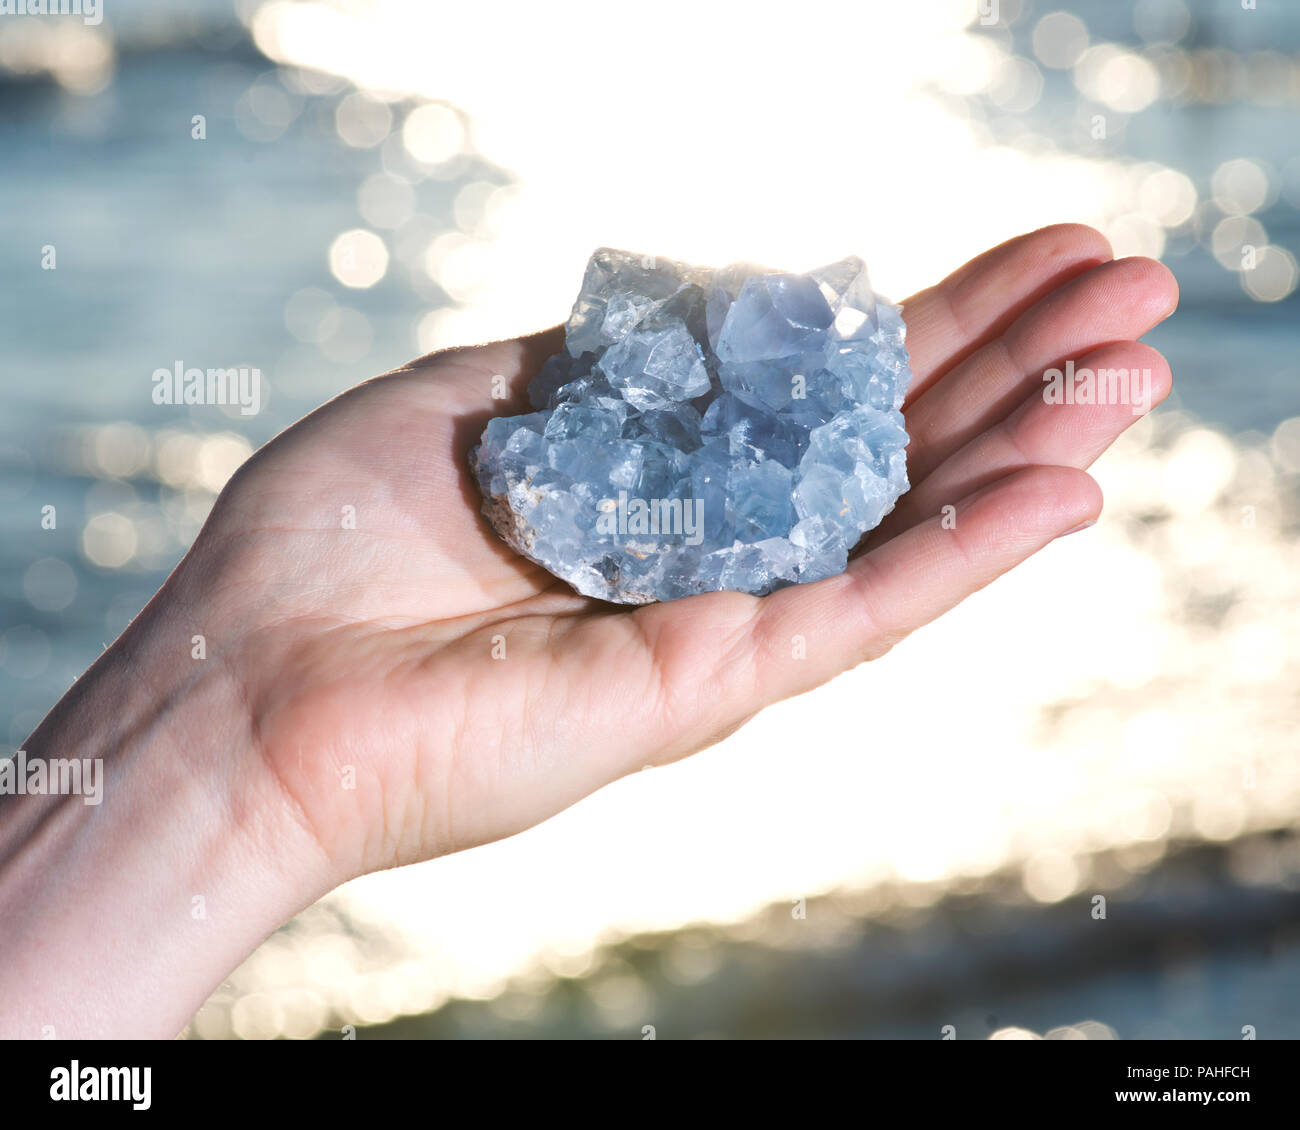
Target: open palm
415 687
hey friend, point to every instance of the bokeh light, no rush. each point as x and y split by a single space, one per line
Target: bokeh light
1059 39
358 258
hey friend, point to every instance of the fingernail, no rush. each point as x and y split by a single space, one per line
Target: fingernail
1080 526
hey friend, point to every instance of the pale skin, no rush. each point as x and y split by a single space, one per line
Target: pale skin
465 694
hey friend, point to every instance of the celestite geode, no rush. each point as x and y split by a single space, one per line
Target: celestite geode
704 429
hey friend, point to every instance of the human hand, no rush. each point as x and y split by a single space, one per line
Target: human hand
396 684
472 694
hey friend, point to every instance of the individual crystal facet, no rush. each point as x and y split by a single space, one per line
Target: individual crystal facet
703 430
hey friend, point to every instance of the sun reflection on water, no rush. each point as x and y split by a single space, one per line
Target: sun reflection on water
1091 703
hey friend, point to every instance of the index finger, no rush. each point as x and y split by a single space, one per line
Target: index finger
977 302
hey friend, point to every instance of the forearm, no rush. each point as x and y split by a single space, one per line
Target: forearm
118 918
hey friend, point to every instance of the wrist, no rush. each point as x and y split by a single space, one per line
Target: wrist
124 904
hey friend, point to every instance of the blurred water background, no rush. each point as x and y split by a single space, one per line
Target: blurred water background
922 842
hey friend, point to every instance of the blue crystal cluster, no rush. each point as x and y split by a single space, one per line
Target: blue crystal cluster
704 429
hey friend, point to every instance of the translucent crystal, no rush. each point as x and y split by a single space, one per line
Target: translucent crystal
703 430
